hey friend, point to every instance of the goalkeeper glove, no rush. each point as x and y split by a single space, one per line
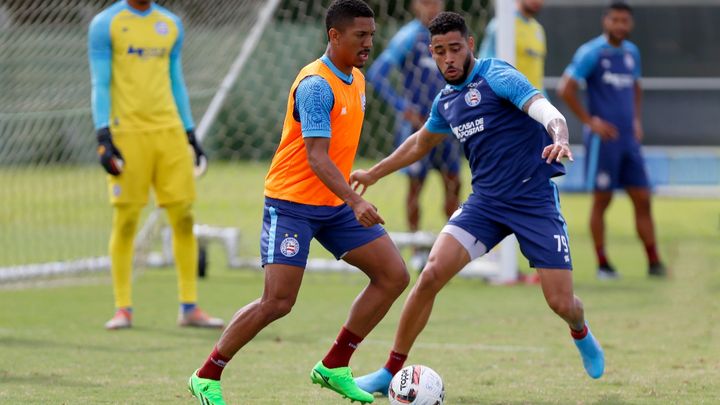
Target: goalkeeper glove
110 157
200 157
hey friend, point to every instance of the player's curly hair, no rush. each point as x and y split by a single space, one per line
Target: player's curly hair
448 21
341 12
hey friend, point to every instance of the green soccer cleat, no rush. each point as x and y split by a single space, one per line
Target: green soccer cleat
341 381
209 392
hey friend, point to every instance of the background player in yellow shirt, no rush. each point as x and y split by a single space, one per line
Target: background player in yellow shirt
143 121
530 46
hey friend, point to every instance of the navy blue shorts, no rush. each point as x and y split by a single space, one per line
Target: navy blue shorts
289 227
535 220
615 164
444 158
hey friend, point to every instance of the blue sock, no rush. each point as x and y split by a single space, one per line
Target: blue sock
187 306
129 309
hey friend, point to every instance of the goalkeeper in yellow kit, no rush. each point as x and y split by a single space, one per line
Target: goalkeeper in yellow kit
143 122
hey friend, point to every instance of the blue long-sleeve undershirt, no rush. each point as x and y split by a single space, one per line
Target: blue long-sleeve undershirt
180 93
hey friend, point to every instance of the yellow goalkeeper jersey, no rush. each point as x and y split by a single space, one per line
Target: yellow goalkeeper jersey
530 47
135 59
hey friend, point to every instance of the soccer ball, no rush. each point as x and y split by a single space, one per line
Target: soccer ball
416 385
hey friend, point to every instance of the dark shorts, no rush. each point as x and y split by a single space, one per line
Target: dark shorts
444 158
613 164
289 227
535 220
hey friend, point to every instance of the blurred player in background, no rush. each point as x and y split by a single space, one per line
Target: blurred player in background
610 67
530 50
307 196
530 46
408 53
143 121
514 140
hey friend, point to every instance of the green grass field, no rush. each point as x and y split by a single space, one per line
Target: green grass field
491 345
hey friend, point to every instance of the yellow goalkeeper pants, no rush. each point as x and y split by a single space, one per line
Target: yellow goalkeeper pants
185 250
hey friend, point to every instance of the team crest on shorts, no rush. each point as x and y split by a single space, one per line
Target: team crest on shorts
472 97
116 190
289 247
161 28
603 180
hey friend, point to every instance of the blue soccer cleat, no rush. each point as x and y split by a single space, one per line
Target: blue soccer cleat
378 381
592 355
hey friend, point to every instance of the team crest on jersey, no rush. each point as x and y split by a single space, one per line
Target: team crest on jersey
362 101
161 28
289 247
116 190
605 63
629 61
472 97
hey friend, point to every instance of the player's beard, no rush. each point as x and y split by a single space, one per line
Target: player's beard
466 72
618 38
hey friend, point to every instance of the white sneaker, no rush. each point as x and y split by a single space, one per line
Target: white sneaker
199 319
121 320
607 273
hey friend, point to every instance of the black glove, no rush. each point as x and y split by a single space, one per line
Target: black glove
110 157
200 157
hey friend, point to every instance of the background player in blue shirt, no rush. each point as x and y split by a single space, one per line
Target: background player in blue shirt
408 53
513 139
610 67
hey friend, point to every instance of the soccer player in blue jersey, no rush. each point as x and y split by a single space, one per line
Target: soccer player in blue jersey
146 138
610 67
514 140
408 53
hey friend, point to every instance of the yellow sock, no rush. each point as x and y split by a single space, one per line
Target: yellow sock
185 250
124 224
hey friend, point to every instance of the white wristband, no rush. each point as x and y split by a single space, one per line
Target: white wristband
543 112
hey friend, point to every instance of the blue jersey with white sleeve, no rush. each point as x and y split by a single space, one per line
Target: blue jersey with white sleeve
610 74
502 143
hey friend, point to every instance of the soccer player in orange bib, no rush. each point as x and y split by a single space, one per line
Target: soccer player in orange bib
307 196
145 132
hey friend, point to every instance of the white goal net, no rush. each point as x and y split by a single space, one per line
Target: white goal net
239 57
